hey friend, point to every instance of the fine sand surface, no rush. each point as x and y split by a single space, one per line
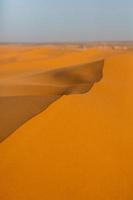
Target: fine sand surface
81 146
24 96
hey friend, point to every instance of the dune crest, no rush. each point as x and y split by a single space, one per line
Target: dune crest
26 95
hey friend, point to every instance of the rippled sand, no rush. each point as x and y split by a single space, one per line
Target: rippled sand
81 146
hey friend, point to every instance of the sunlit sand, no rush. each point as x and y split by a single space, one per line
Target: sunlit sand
24 96
80 146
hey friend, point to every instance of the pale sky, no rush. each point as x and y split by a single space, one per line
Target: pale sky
65 20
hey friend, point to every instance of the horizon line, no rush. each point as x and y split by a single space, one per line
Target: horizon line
69 42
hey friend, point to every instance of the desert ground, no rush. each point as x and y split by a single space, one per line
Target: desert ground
66 121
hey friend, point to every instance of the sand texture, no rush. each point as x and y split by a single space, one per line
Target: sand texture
24 96
63 136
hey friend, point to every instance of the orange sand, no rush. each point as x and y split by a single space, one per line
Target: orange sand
81 146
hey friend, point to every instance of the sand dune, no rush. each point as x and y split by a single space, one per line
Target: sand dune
24 96
81 147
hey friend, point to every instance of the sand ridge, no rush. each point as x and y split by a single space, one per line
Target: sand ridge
81 146
24 96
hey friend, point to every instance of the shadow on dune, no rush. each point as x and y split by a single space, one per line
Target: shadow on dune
24 97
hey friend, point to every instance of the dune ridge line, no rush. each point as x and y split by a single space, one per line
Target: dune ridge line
23 97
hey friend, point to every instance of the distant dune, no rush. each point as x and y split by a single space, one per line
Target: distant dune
24 96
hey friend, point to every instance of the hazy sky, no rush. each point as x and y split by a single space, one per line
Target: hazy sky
65 20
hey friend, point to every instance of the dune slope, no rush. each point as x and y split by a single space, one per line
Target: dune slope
81 147
27 94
